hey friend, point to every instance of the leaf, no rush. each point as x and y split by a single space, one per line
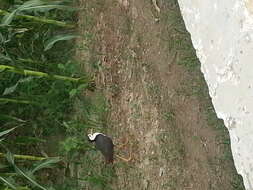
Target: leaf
7 19
41 5
7 131
3 166
49 44
10 89
8 117
82 87
61 66
7 182
10 158
19 171
20 30
30 3
2 38
72 93
26 140
4 57
47 7
27 79
46 164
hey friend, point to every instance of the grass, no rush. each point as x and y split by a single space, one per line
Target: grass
175 152
92 109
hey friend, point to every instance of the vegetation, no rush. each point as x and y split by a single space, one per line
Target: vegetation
40 84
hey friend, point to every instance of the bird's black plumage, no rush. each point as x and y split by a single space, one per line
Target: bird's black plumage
105 145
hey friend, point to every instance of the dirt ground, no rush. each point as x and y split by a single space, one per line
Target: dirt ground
157 98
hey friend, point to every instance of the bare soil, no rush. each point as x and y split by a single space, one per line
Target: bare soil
156 103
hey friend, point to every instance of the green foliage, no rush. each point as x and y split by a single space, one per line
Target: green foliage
47 163
10 182
32 5
6 132
36 106
49 44
37 36
71 144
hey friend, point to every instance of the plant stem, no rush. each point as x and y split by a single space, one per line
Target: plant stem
40 74
16 101
38 19
25 157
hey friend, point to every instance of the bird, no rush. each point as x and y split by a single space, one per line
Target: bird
104 144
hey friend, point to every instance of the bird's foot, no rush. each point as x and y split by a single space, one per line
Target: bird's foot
125 159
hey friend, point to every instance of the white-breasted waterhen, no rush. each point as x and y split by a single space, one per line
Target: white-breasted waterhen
106 146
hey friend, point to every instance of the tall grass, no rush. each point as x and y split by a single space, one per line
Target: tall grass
40 81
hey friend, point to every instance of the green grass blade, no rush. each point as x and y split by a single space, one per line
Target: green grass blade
8 100
7 19
26 140
27 79
19 171
10 158
7 131
49 44
10 89
2 39
47 7
4 58
39 74
7 182
41 5
30 3
3 166
46 164
39 20
8 117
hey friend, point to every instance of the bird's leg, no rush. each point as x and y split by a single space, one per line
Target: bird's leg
125 159
120 146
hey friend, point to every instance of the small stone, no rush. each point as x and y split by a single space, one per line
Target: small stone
161 172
